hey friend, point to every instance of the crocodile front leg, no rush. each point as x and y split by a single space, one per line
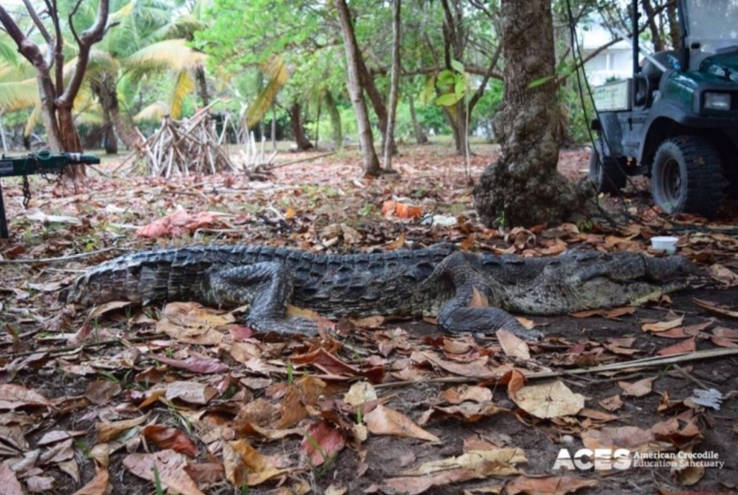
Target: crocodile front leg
267 287
456 315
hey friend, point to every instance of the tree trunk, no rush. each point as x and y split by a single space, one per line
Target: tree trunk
317 127
70 140
202 86
335 115
674 34
524 188
658 42
107 93
303 143
389 137
371 163
420 136
109 139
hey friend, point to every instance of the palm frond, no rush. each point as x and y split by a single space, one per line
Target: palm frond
8 49
278 76
152 113
32 120
167 54
182 87
15 95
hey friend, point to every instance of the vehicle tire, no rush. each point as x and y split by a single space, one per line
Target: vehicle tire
608 175
687 176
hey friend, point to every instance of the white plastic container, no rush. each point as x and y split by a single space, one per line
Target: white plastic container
665 243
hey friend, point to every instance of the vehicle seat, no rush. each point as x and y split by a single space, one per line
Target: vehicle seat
651 71
647 82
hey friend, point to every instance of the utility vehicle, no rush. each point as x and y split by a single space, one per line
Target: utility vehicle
676 119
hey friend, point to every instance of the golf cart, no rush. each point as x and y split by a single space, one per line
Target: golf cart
676 119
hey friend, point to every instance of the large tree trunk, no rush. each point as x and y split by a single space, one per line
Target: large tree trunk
389 136
674 34
107 93
303 143
524 188
371 163
70 140
420 136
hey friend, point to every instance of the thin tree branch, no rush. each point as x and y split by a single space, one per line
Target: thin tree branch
89 37
58 46
71 21
480 90
37 21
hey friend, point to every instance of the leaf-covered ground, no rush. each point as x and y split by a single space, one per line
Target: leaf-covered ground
124 400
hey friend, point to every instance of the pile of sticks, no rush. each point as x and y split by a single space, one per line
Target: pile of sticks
183 147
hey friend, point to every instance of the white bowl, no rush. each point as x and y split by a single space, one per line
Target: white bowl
666 243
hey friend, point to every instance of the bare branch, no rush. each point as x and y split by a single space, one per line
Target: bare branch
480 90
88 38
71 22
37 21
58 46
26 47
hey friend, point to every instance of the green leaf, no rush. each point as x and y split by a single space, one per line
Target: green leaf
448 99
428 90
458 66
446 77
539 82
460 88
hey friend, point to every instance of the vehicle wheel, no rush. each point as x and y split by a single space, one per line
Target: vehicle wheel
687 176
606 174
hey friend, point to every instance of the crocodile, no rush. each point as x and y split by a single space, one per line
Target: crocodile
466 292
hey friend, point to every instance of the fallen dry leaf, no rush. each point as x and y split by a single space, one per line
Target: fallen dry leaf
97 485
108 431
244 465
639 388
101 392
385 421
14 396
196 363
360 393
166 437
322 443
457 395
475 464
192 392
512 345
549 400
715 309
612 403
614 437
685 346
9 482
550 485
170 466
662 326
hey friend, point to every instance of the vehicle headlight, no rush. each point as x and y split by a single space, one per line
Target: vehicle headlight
717 101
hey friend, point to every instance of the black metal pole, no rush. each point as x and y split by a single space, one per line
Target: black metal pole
634 37
3 221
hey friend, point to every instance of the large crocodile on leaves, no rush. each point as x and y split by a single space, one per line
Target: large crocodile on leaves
438 281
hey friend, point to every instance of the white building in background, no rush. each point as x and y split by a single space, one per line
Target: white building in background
615 62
